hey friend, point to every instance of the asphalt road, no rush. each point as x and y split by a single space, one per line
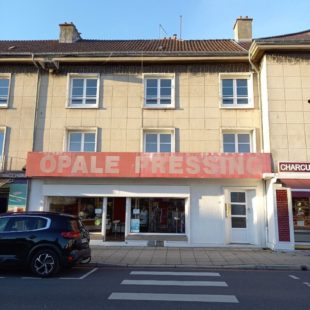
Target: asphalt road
154 288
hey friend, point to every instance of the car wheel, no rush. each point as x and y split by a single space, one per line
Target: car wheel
44 263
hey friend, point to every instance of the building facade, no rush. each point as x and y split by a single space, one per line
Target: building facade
151 141
284 67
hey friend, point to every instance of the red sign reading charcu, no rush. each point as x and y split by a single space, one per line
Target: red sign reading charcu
148 165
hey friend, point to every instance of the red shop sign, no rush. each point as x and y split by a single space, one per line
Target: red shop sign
148 165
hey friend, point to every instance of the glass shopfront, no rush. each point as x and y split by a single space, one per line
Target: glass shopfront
157 215
301 216
88 209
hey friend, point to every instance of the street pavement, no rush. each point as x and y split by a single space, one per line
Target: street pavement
230 258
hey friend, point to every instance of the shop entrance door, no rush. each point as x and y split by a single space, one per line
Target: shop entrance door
238 217
115 219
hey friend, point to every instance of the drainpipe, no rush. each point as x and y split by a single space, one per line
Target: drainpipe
34 121
256 69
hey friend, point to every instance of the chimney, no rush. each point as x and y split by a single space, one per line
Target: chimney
243 29
68 33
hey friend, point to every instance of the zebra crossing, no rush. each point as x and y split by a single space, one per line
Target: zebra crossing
202 280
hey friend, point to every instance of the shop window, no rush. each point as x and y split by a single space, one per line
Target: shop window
4 91
301 216
88 209
237 142
157 215
159 92
236 91
83 91
81 141
158 141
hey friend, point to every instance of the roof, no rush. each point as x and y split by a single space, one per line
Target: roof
162 47
303 36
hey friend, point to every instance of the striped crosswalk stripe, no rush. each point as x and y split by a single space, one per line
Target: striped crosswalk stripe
173 283
174 297
172 273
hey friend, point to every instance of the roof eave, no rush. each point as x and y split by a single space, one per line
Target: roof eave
259 48
91 58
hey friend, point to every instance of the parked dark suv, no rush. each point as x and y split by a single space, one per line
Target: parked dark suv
43 241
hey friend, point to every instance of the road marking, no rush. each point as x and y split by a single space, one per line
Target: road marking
31 278
174 297
293 277
166 273
174 283
82 277
2 277
307 283
88 273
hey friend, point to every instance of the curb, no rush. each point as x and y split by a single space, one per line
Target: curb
226 267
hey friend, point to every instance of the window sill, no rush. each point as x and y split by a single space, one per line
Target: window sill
249 107
158 108
82 107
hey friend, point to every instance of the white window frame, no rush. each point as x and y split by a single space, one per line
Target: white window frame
251 132
71 77
83 131
157 131
158 77
6 77
236 76
2 156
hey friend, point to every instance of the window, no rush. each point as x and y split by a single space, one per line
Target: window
159 92
155 142
237 143
4 91
22 223
82 141
157 215
83 91
2 143
238 209
236 92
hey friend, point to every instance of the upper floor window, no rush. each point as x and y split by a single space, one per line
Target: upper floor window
237 143
158 142
4 91
83 91
82 141
236 91
159 92
2 143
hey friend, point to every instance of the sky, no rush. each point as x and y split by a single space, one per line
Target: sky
141 19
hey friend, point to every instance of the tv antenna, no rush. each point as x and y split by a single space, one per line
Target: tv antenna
162 29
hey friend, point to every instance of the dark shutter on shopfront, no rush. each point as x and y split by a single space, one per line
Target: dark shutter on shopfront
283 215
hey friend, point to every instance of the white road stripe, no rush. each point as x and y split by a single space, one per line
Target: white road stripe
307 283
168 273
293 277
2 277
174 283
82 277
88 273
174 297
31 278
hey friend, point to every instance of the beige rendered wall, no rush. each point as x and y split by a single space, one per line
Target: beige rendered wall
18 119
120 118
288 80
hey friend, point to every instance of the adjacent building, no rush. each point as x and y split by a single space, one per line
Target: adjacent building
168 142
283 63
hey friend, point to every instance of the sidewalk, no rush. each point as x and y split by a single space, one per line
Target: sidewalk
230 258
